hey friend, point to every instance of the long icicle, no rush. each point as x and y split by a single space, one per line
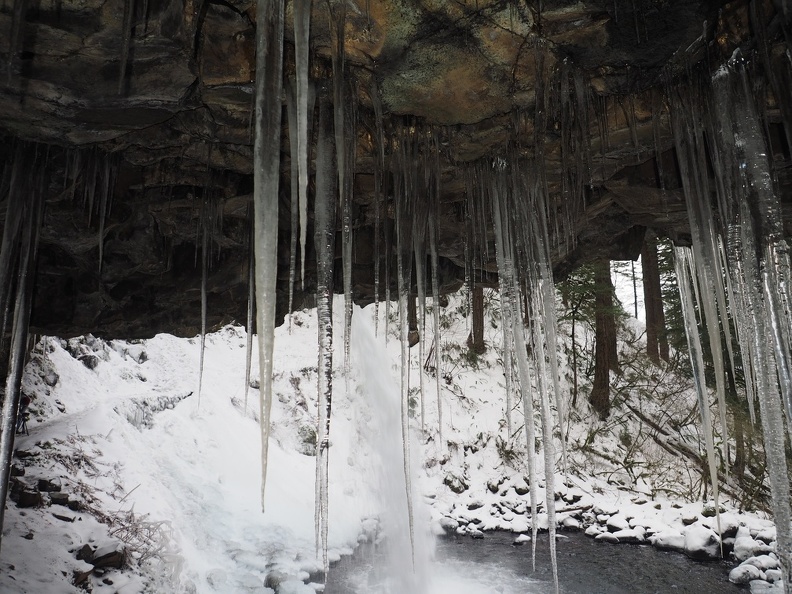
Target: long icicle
302 55
11 230
324 241
758 247
512 317
266 180
338 18
291 115
436 322
419 248
250 307
204 280
403 249
379 172
684 266
19 339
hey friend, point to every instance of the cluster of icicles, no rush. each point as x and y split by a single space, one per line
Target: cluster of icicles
733 271
736 276
407 171
735 279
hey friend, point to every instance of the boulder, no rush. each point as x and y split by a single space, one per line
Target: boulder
746 547
456 483
764 587
617 522
111 555
448 524
593 530
85 553
521 488
668 540
49 485
701 543
630 535
773 575
763 562
28 498
742 574
59 498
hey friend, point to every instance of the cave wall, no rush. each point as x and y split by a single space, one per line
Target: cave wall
137 116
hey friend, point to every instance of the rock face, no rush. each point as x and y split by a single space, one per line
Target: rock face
133 120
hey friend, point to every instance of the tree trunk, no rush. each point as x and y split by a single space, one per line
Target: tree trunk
656 340
574 366
606 354
475 340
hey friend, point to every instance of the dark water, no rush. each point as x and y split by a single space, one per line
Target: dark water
494 566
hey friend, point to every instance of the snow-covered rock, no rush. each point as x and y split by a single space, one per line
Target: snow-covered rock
763 587
594 530
668 540
773 575
766 535
521 539
763 562
742 574
630 535
571 523
745 546
701 543
617 522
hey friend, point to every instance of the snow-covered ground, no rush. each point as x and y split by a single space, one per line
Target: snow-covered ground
164 486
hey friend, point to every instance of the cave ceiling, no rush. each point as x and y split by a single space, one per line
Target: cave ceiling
142 142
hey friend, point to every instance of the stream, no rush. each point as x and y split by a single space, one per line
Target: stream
494 565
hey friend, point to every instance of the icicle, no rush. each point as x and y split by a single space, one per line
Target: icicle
338 18
204 275
508 370
324 241
419 249
691 158
403 278
266 178
757 246
436 319
513 319
291 114
684 267
11 230
302 40
249 325
19 337
544 289
104 206
549 453
379 172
